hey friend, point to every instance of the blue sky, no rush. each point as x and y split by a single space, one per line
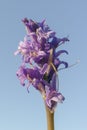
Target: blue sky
20 110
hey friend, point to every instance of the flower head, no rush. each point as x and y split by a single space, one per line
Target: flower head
41 60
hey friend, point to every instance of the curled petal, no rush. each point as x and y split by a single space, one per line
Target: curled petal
58 41
64 63
60 52
61 98
63 40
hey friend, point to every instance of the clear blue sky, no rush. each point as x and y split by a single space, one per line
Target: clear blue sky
20 110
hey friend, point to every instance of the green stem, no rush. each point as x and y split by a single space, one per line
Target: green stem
50 119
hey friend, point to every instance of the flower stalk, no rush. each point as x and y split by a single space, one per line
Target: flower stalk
50 119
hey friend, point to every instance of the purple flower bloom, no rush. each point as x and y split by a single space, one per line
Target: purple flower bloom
52 95
52 98
41 61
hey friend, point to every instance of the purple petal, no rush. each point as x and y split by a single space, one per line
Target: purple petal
63 40
34 73
52 98
30 24
57 63
60 52
64 63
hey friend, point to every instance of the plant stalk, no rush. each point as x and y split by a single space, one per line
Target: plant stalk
50 119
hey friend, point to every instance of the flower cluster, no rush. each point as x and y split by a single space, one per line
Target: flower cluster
41 61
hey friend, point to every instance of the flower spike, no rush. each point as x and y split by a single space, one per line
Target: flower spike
41 61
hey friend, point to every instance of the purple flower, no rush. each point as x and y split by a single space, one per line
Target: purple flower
52 98
52 95
41 61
